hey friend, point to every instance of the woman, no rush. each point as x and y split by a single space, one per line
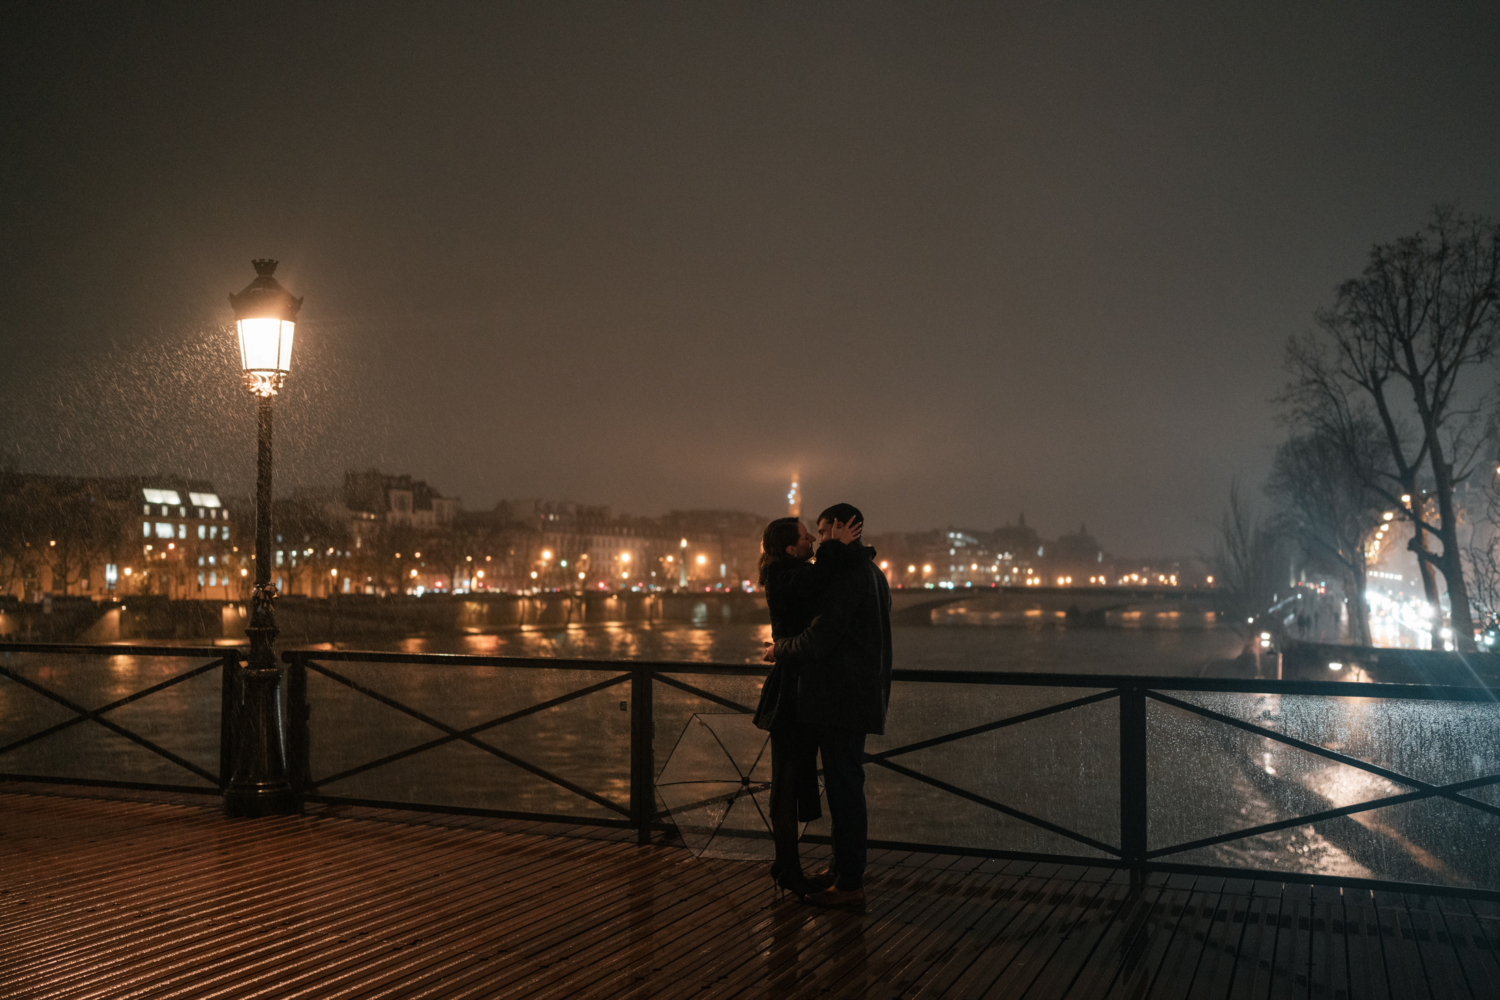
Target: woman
788 577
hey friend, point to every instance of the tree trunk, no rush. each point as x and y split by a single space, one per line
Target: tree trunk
1429 581
1451 561
1359 608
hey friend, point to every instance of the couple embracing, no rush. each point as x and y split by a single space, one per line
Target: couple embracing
828 689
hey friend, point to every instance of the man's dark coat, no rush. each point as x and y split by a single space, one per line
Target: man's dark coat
844 656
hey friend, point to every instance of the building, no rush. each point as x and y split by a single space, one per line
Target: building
960 557
1076 559
398 499
530 545
112 537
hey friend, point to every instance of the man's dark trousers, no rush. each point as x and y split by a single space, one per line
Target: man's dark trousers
844 781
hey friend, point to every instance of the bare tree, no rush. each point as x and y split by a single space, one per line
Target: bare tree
1328 507
65 526
1249 563
1403 345
1339 389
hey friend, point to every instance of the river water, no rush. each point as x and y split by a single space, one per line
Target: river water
1205 778
1176 652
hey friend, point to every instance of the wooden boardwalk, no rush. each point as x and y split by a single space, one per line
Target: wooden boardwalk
111 897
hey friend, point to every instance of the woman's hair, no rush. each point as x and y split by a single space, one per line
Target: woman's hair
774 540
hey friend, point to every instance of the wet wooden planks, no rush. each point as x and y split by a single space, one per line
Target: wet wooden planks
120 898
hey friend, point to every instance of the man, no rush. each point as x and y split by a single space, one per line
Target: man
844 687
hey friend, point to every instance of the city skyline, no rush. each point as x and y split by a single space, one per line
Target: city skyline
669 258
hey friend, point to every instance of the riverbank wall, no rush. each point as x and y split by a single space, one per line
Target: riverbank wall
1311 661
348 619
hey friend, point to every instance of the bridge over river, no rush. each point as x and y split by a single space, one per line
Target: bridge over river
1089 606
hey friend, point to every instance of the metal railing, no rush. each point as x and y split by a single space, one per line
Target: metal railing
218 658
645 682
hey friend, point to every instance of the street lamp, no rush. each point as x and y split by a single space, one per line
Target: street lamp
265 318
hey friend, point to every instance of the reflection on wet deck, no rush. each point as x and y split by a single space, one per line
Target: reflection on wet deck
114 897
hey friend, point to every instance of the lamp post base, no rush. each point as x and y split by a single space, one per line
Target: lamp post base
259 784
263 800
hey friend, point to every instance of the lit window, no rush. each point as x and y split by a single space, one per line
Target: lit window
202 531
145 508
163 529
213 531
280 556
211 560
202 579
182 531
204 499
161 496
111 575
145 529
224 533
200 560
213 579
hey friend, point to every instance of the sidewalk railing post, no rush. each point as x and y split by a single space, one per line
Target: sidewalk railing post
642 754
229 673
1133 816
298 738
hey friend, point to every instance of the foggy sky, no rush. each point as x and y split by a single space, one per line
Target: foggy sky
951 262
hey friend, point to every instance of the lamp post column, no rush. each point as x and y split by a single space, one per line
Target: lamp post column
258 785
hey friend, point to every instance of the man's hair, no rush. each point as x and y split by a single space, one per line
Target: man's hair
779 534
846 512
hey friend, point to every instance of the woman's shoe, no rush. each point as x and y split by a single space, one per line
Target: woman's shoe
823 879
795 883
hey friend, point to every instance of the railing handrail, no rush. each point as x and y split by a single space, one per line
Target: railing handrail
1018 678
118 649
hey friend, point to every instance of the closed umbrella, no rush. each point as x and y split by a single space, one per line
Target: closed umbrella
716 784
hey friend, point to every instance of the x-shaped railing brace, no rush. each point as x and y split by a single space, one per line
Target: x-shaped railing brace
469 735
82 714
882 759
1425 790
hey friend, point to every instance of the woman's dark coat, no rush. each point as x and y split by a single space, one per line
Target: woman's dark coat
791 590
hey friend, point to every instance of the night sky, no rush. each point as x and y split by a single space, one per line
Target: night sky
953 262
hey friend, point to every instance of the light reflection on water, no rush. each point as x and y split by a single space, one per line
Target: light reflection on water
1051 650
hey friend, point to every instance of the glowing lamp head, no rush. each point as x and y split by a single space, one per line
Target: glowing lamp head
265 319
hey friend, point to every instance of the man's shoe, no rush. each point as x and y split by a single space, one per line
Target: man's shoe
833 897
823 879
